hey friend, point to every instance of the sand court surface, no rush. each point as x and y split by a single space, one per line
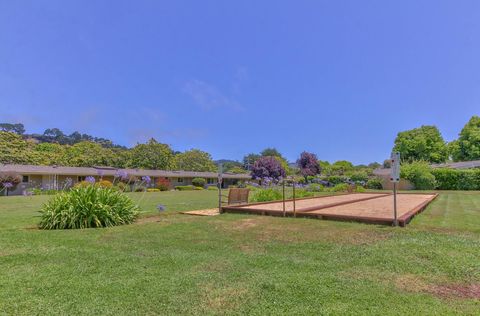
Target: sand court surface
362 207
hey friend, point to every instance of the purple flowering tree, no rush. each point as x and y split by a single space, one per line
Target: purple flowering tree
267 168
9 180
308 164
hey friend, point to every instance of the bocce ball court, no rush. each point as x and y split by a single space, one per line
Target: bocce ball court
375 208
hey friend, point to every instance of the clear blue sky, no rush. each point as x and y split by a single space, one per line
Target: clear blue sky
338 78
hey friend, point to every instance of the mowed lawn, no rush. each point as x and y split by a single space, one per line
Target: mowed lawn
241 264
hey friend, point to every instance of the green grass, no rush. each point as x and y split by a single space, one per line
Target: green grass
239 264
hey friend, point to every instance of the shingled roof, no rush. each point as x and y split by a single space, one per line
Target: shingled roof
109 171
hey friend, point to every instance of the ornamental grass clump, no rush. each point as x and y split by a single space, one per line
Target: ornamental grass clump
88 207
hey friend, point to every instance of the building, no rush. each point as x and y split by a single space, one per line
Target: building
58 178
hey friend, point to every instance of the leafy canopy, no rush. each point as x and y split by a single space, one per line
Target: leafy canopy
467 147
423 143
194 160
152 155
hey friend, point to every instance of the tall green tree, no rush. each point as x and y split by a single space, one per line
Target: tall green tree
152 155
341 167
467 147
17 128
52 154
88 154
423 143
15 150
194 160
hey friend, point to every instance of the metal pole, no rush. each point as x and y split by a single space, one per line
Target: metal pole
395 222
220 171
294 208
283 189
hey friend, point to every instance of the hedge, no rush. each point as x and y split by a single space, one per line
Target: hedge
457 179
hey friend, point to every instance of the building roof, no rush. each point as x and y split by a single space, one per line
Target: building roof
459 165
451 165
109 171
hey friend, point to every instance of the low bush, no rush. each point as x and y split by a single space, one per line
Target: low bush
341 187
265 195
199 182
153 190
334 180
302 193
163 184
359 176
139 188
122 187
456 179
187 188
212 188
419 173
315 187
374 184
83 184
360 189
88 207
104 184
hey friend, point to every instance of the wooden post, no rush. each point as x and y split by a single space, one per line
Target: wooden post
283 189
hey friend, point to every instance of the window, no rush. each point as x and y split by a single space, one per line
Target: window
81 178
210 181
180 180
25 179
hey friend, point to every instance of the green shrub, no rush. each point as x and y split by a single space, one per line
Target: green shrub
139 188
199 182
301 193
337 179
374 184
122 187
315 187
455 179
360 189
265 195
359 176
104 184
446 179
185 188
212 188
88 207
341 187
419 173
153 190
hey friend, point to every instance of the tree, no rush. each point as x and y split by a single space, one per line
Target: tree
51 154
423 143
341 167
152 155
467 147
273 152
268 167
249 160
194 160
15 150
13 128
308 164
88 154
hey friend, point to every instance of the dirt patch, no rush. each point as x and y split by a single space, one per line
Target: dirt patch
149 219
414 283
245 224
208 212
223 298
470 291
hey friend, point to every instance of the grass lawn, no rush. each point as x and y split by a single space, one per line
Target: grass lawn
241 264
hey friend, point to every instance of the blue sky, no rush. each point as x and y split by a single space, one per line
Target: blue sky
338 78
